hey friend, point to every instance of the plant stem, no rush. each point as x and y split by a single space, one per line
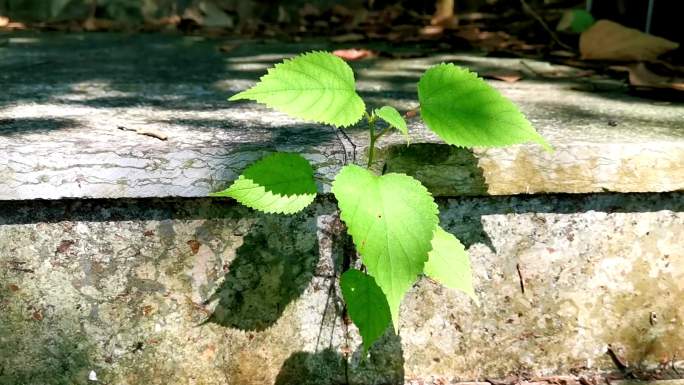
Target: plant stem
373 138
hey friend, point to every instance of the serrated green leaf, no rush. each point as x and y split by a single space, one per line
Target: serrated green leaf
393 118
448 263
315 86
366 304
464 110
391 219
278 183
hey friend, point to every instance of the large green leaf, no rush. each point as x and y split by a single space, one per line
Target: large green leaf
465 111
448 263
393 118
366 304
278 183
391 219
316 86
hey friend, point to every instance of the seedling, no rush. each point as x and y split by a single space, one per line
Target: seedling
392 218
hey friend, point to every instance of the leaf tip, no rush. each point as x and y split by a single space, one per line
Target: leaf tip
238 96
545 145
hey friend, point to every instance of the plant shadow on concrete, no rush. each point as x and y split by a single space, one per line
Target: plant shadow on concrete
31 354
383 366
272 268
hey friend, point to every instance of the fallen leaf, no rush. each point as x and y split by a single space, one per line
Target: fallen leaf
194 246
641 76
341 10
506 76
347 37
65 245
38 315
147 310
353 54
432 30
607 40
227 47
444 14
92 24
562 53
309 10
6 23
283 15
214 16
162 23
13 287
411 113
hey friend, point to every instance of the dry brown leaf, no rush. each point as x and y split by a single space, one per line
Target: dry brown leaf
309 10
164 22
506 76
354 54
227 47
444 13
607 40
93 24
432 30
11 25
641 76
347 37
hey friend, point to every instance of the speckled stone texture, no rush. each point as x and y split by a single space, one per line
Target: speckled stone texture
206 292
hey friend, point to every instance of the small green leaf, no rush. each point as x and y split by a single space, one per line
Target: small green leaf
393 118
575 20
278 183
315 86
366 304
465 111
391 219
448 263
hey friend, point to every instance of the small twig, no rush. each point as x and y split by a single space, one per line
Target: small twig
541 21
146 131
520 276
621 366
344 149
350 142
674 366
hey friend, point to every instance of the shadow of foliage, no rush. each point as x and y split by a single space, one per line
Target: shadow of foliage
33 353
384 365
326 367
439 167
17 126
272 268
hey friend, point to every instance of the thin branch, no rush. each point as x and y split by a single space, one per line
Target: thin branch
521 278
541 21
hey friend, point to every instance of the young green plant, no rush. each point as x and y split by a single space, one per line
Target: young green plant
392 218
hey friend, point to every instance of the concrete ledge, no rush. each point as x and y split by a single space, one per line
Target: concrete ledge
58 127
162 291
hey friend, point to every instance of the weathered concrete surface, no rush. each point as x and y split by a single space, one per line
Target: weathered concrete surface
206 292
63 97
